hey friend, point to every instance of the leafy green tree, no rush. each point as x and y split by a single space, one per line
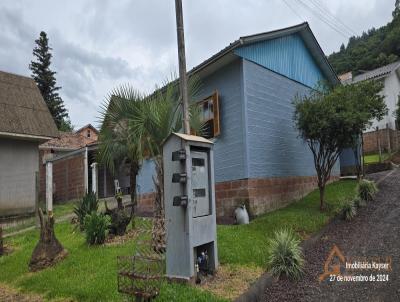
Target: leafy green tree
46 81
66 125
373 49
333 120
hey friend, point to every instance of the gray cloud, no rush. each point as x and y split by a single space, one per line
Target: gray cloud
98 45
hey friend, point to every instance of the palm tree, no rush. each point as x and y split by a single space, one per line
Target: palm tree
116 143
137 125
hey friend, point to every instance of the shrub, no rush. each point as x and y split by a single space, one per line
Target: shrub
119 219
85 206
96 225
349 209
285 257
358 202
366 190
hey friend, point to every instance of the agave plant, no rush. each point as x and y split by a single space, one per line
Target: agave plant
88 204
349 209
366 190
285 255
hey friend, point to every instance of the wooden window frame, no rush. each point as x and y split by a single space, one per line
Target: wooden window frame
214 97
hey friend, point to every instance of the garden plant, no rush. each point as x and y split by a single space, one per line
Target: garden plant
88 204
286 256
96 226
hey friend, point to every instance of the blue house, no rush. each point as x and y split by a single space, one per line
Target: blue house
247 93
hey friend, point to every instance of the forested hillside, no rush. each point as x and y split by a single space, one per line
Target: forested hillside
374 48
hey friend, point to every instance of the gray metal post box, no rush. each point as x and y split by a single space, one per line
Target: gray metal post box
189 205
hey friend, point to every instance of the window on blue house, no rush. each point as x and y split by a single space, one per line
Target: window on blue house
210 116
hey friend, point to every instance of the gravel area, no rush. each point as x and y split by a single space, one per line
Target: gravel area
373 233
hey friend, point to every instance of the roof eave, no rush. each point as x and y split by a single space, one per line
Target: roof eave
28 137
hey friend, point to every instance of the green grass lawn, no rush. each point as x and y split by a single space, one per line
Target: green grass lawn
246 244
374 158
89 273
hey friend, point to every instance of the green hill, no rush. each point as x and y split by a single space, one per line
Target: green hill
374 48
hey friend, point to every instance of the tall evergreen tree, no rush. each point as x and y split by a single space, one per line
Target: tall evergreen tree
46 81
396 11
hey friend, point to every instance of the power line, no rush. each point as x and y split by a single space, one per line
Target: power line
293 10
323 19
325 10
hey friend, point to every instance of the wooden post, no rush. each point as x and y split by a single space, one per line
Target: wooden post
49 188
182 65
388 139
379 144
85 170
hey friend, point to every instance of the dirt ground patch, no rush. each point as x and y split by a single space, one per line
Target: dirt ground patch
8 294
231 281
118 240
373 234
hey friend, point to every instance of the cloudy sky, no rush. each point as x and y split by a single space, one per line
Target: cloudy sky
100 44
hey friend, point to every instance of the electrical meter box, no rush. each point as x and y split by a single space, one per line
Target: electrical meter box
189 198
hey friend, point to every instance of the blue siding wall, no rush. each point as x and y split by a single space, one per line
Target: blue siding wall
229 155
274 148
145 177
230 146
288 56
347 158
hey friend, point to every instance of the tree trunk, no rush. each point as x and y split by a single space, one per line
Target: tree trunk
158 231
132 179
321 196
49 250
1 242
358 163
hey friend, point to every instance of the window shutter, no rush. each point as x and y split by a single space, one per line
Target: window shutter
216 121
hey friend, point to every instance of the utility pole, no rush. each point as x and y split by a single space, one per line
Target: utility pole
182 65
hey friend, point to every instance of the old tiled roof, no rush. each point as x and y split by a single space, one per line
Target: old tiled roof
376 73
22 108
67 141
87 126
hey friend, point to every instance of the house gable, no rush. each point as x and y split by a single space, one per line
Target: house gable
287 55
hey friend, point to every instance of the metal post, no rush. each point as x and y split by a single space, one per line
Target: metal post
182 65
49 188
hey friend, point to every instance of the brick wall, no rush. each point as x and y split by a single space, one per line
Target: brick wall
259 195
68 178
145 204
385 136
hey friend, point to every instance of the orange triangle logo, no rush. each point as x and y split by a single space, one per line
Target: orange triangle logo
331 267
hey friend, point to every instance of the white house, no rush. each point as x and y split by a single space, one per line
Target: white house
390 76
